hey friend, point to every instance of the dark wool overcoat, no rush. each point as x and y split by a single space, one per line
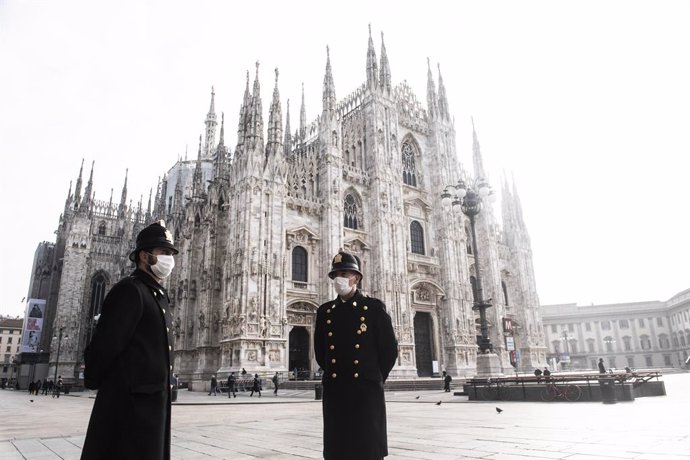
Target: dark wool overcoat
355 345
129 362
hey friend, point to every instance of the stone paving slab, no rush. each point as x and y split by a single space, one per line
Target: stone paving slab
289 427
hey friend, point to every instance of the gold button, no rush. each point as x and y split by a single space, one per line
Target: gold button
354 304
359 332
366 308
169 347
332 347
170 367
164 311
328 321
362 318
356 361
333 360
328 311
356 375
167 329
356 345
334 375
330 334
333 305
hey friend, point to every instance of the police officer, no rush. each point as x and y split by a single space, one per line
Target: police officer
129 359
355 345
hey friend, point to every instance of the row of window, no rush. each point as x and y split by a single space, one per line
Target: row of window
607 325
609 342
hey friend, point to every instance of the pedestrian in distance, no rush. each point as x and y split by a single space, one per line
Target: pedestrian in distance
546 373
214 386
355 345
231 385
130 357
39 384
537 373
256 385
446 381
275 384
57 387
602 368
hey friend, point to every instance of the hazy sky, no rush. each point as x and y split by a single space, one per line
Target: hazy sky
586 104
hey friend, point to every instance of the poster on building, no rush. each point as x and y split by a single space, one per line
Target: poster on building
33 326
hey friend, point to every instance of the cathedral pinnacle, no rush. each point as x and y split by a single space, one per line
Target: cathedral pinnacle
477 154
275 123
328 87
442 99
431 100
302 118
385 76
211 124
372 67
287 144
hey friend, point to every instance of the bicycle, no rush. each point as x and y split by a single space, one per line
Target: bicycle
499 392
568 392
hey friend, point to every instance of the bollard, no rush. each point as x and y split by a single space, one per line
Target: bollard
318 391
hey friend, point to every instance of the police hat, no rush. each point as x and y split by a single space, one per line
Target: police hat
153 236
344 261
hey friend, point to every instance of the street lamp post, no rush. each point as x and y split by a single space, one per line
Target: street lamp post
470 202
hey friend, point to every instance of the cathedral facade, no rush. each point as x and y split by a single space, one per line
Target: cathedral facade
257 227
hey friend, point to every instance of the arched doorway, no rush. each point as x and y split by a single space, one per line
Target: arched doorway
299 352
423 344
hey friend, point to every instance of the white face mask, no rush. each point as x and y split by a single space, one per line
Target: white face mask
164 266
342 285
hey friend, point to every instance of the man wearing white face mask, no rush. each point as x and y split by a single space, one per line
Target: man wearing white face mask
355 345
129 360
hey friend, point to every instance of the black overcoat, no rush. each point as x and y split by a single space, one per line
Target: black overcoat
129 362
355 345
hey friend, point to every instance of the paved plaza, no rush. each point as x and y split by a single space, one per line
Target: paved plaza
289 426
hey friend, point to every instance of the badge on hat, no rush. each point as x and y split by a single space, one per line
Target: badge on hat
338 258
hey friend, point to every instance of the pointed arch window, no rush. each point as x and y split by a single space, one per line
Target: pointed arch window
98 289
417 237
408 163
351 214
299 264
101 228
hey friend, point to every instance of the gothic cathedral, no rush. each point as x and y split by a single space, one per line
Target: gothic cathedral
257 227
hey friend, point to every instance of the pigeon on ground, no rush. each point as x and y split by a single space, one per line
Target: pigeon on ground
417 397
439 403
31 400
499 410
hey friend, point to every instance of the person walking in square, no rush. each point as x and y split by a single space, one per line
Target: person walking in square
231 385
256 385
446 381
129 360
275 384
214 386
355 345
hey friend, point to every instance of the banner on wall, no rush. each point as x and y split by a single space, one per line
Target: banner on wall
33 326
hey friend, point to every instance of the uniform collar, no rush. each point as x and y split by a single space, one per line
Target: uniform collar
357 295
147 279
